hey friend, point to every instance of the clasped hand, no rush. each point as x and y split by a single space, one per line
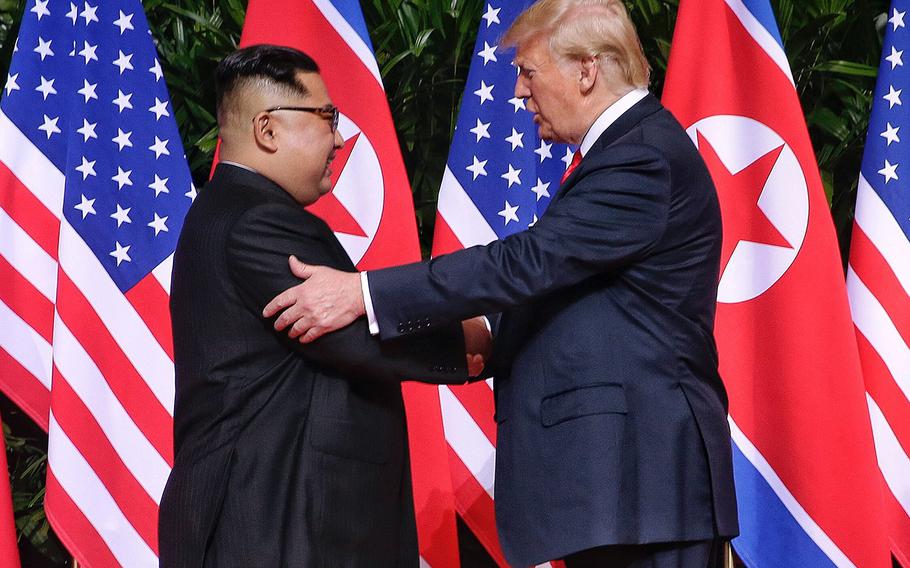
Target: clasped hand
330 299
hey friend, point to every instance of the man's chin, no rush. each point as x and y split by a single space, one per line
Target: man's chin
545 133
325 187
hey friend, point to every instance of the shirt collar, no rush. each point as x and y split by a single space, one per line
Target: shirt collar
609 116
238 165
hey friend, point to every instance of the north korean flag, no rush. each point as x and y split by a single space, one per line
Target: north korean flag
804 458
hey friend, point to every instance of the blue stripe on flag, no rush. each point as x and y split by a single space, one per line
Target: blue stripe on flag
763 12
350 11
770 536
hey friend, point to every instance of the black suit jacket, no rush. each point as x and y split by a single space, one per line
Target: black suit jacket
285 454
611 413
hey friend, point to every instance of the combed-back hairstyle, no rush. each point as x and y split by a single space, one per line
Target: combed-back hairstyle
585 28
264 66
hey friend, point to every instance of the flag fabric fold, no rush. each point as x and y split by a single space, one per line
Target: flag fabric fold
94 186
878 280
803 455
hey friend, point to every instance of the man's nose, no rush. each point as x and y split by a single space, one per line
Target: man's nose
521 89
339 141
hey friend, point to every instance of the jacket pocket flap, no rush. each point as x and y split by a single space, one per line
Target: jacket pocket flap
601 398
349 440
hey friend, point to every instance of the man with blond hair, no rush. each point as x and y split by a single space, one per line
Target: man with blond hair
613 445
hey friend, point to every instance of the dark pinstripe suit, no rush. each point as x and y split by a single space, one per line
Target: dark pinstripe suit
286 455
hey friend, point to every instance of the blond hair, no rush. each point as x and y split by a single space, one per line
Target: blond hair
585 28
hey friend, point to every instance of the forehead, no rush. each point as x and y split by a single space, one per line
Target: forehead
534 51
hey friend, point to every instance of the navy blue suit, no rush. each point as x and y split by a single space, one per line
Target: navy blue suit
611 414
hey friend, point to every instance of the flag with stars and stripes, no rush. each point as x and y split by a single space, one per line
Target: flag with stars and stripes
878 278
803 457
498 180
94 186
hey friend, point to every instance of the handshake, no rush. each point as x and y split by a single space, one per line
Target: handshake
478 344
330 299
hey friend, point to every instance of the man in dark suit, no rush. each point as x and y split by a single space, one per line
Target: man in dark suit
613 445
286 454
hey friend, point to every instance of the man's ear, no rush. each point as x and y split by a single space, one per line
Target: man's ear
587 76
264 132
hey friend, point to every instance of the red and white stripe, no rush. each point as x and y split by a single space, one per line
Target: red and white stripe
878 283
467 410
92 365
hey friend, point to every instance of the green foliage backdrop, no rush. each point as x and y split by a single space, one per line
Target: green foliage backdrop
424 48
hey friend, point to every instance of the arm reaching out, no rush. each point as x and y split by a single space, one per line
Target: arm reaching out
616 215
330 299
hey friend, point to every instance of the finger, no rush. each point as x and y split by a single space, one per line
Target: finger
289 316
475 364
311 335
300 327
278 303
298 268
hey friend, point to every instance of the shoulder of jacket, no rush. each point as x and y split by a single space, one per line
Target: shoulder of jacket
266 211
627 150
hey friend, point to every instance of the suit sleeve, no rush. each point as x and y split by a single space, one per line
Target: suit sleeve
613 216
257 257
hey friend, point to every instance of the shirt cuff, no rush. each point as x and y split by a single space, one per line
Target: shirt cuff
368 304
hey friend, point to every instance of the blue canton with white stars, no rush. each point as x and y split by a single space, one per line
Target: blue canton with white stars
506 169
886 160
85 86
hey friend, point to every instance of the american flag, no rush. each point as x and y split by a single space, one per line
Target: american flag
94 186
878 276
498 180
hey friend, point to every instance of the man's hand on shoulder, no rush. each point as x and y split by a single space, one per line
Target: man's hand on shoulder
327 300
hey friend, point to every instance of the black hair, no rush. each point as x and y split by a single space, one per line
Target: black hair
275 63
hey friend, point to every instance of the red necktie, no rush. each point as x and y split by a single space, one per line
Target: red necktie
576 159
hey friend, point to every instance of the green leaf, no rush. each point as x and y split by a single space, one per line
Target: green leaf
850 68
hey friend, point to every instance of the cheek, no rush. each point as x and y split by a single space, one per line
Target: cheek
547 103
